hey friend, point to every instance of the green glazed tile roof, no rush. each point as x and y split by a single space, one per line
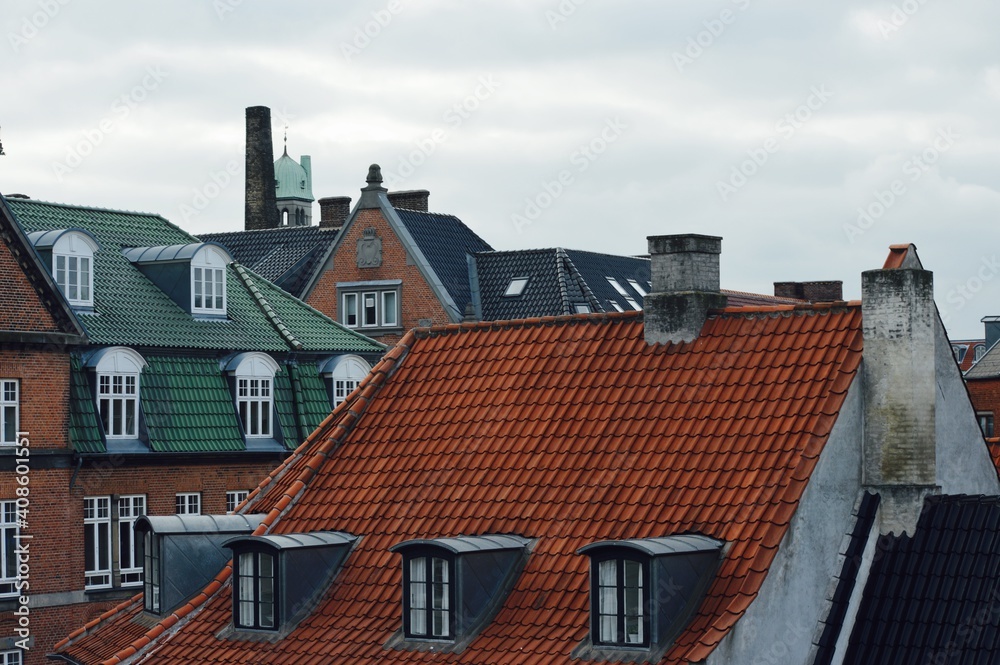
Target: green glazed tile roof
131 310
84 432
299 417
188 406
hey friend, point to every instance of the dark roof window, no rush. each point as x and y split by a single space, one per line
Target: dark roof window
516 287
452 587
626 614
277 579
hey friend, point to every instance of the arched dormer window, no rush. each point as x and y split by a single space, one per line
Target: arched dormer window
344 373
208 281
626 612
117 370
72 262
253 375
452 587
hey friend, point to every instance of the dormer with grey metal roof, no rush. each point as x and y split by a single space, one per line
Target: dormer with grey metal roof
193 275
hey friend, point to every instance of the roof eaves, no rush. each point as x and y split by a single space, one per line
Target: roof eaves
419 259
39 276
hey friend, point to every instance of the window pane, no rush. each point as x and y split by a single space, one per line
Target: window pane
130 417
219 289
71 280
61 273
266 591
265 418
116 416
9 424
607 600
84 279
103 555
418 596
633 602
246 589
351 309
198 303
369 310
389 308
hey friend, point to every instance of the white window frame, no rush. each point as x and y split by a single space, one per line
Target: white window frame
387 311
13 657
345 373
130 508
97 512
208 281
76 248
638 289
979 352
254 393
113 365
516 287
9 531
10 411
234 498
187 503
352 298
625 294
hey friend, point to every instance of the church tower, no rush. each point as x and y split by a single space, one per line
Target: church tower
293 189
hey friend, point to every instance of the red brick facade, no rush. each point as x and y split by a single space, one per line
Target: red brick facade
985 395
417 300
30 314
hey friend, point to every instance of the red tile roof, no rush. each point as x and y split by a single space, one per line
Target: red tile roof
569 430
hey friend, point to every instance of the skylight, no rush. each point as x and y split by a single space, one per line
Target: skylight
516 286
628 297
582 308
635 285
618 308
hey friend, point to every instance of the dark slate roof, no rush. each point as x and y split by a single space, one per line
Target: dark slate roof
560 278
288 256
131 310
853 559
933 597
988 366
445 242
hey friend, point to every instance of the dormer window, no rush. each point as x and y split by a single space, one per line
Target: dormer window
117 371
624 613
278 577
253 376
452 587
71 252
344 374
193 275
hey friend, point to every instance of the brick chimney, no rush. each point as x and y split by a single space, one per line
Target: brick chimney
333 211
811 291
261 207
900 461
411 199
685 278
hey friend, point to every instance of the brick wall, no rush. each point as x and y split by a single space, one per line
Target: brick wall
29 314
416 298
985 394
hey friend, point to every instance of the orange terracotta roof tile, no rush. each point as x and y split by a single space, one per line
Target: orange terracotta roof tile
897 254
567 430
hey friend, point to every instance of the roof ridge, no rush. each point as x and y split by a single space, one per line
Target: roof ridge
803 308
74 206
343 419
562 319
265 307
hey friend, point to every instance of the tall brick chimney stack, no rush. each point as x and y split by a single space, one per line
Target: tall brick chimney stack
333 211
261 209
685 278
900 460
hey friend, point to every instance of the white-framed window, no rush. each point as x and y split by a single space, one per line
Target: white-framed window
97 541
188 503
350 309
254 402
9 411
9 531
370 305
345 373
118 404
130 508
11 657
118 371
390 309
638 289
235 498
73 267
254 387
208 281
980 352
615 306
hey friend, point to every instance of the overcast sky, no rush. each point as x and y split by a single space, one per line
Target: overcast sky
587 124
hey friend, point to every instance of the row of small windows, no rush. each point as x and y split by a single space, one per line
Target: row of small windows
960 350
118 372
70 254
370 309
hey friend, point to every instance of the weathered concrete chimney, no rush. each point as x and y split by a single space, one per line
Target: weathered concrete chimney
261 209
370 192
685 278
900 462
812 291
333 211
411 199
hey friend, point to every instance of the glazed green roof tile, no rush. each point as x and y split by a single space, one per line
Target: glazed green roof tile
131 310
299 417
188 406
84 432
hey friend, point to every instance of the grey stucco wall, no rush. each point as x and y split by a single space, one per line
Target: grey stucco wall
778 627
964 465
